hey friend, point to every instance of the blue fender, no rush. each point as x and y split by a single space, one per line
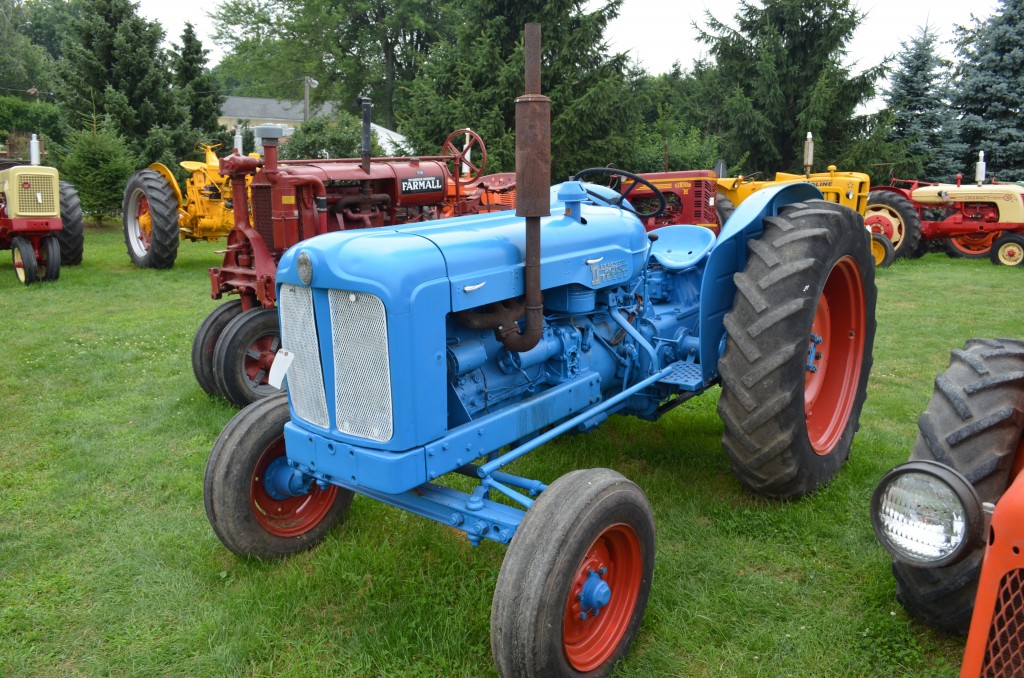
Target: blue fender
729 256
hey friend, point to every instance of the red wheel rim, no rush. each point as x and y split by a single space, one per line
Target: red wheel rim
975 245
885 220
143 219
830 388
259 357
616 555
289 517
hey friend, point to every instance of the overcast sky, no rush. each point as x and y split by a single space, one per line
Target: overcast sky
658 32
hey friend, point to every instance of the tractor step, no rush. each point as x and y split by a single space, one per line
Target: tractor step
686 375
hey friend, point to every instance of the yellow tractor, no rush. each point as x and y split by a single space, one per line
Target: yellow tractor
156 215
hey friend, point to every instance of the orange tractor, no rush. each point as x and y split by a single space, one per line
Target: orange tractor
953 516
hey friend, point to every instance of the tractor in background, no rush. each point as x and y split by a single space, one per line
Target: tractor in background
952 517
969 220
40 219
156 214
458 346
292 201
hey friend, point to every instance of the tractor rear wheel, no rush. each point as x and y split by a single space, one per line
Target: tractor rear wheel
973 423
1008 250
894 216
149 217
248 511
882 250
205 342
798 353
575 581
49 249
971 246
72 234
243 356
24 258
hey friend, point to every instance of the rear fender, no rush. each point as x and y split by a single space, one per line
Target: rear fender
729 256
162 170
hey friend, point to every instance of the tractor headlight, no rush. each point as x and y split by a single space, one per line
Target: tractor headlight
926 514
304 267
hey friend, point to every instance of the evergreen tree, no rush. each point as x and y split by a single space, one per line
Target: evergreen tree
472 80
25 66
990 88
922 117
98 162
195 86
336 136
781 75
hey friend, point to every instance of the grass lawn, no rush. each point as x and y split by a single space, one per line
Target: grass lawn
109 567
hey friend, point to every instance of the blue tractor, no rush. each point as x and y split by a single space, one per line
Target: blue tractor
459 346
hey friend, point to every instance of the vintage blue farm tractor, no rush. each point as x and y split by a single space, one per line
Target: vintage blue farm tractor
412 352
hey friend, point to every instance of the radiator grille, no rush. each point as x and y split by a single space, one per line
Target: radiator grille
361 366
1004 655
39 195
263 214
298 335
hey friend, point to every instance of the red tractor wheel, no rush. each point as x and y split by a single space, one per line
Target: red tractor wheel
798 351
149 217
574 584
971 246
894 216
205 342
459 158
1008 250
257 504
243 356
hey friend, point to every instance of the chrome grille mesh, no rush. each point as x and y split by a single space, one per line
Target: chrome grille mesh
298 335
1004 655
39 197
361 366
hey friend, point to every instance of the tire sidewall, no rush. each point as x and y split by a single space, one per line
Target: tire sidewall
230 353
204 343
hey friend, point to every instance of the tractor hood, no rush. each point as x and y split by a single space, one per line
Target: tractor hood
481 256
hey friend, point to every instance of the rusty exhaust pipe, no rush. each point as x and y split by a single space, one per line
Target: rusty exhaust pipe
533 199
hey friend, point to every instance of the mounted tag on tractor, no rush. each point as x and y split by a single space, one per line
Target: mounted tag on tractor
461 345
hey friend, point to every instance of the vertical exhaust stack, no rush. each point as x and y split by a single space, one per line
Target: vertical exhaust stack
533 182
366 104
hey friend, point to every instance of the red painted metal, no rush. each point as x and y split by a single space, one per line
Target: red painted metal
291 517
589 642
690 195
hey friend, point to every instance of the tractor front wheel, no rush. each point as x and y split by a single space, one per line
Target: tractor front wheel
205 342
24 258
49 264
798 353
894 216
973 423
72 234
575 581
243 356
149 216
254 501
882 250
1008 250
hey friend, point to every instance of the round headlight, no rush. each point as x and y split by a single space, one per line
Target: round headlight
304 266
927 514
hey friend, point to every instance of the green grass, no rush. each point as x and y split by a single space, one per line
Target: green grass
108 565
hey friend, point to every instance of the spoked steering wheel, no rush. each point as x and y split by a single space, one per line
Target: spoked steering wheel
458 158
619 202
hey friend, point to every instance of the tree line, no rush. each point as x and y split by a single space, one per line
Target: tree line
93 77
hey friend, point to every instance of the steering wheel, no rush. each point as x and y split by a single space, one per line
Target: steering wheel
205 145
614 174
458 158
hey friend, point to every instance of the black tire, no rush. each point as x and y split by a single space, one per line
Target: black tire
156 245
24 260
902 218
723 208
1008 250
243 354
973 423
246 520
72 234
205 342
882 251
49 268
586 519
777 335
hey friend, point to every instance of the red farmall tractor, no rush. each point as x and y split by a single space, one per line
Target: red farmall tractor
297 199
40 221
953 516
971 220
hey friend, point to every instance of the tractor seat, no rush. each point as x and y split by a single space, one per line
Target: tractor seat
680 247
